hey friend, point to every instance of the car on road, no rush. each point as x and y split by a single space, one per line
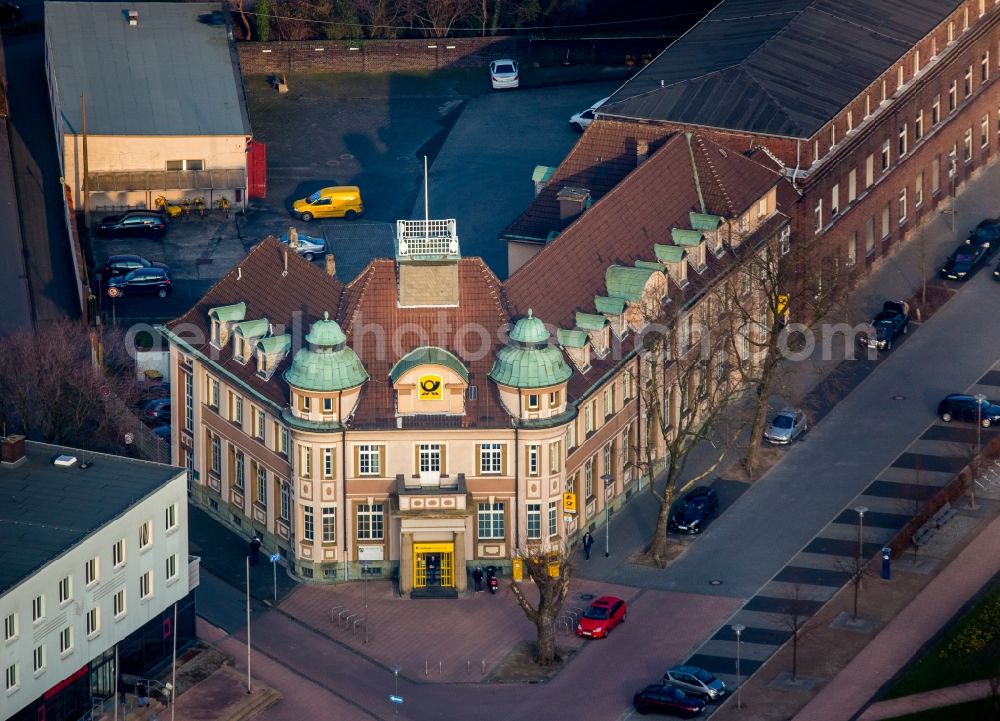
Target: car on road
786 426
503 74
603 615
307 246
666 699
163 433
962 407
889 323
144 281
338 201
157 411
693 512
582 120
986 234
117 265
131 224
964 261
9 12
695 681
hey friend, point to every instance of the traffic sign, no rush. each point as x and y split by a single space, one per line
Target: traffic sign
275 557
396 699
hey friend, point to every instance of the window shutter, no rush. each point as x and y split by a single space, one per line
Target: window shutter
503 459
357 460
382 472
416 459
479 459
333 462
444 458
232 464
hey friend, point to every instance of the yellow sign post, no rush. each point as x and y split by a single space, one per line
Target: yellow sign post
429 388
569 502
517 569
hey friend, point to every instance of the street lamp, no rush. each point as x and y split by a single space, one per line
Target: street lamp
861 511
608 482
395 695
980 402
738 629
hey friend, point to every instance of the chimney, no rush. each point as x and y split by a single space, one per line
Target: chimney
572 202
133 17
331 265
12 449
641 151
293 237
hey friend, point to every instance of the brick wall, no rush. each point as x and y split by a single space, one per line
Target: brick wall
374 56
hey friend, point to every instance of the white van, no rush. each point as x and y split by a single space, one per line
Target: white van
580 121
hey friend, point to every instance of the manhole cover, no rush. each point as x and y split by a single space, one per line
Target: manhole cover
899 398
586 597
346 156
715 582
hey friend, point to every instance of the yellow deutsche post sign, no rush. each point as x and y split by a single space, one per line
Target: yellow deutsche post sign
429 388
569 502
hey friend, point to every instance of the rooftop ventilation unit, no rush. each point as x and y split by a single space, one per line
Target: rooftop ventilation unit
64 461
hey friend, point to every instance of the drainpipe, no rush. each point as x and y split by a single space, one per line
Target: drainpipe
517 476
638 417
343 474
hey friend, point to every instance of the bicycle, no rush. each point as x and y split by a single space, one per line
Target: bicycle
199 205
223 204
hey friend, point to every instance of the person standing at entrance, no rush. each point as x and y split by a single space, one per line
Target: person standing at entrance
432 569
588 543
477 577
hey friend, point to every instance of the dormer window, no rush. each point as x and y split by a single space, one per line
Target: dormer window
216 339
577 345
240 353
532 401
222 319
264 369
270 352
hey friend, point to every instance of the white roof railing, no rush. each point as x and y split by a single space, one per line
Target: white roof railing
417 238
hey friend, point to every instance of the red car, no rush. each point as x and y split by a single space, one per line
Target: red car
603 615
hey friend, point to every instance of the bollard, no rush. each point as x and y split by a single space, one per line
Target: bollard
427 671
440 668
468 667
484 667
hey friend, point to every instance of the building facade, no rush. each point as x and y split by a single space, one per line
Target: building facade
424 418
89 579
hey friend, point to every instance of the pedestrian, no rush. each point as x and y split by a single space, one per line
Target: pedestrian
140 691
255 551
588 542
477 576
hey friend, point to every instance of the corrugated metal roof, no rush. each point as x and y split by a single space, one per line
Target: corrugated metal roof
171 74
783 68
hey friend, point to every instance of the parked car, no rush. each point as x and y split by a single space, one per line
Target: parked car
693 512
603 615
696 682
163 433
582 120
986 234
996 273
338 201
9 12
892 321
133 223
144 281
117 265
663 698
157 411
503 74
786 426
964 261
308 246
961 407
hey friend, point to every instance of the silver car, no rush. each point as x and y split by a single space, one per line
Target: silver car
695 681
786 426
308 246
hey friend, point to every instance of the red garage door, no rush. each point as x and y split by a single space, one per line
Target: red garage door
257 170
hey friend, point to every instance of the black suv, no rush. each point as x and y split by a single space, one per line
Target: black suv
143 223
964 261
693 512
144 280
117 265
986 234
959 407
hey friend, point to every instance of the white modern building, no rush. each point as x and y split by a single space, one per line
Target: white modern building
93 556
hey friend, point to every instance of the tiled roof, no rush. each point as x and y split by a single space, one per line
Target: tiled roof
381 332
293 302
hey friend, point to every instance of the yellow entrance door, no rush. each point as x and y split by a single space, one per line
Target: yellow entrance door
433 565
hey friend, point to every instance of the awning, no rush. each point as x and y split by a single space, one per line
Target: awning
158 180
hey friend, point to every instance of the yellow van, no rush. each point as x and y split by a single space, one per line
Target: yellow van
341 201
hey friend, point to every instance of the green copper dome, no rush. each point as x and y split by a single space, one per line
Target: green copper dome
530 361
327 364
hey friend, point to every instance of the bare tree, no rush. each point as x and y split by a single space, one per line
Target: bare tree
382 17
550 571
435 18
65 384
796 619
857 569
248 33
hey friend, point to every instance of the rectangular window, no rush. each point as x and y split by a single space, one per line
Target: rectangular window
90 571
170 569
286 502
369 460
305 404
835 200
240 471
984 131
305 461
213 392
609 393
916 61
902 141
626 386
308 532
11 678
534 520
10 627
588 479
555 457
952 96
967 145
236 409
870 236
94 621
188 402
118 553
491 520
588 418
868 105
850 120
606 459
259 420
852 249
261 485
918 126
490 458
38 659
918 190
65 589
146 585
899 77
173 165
553 518
329 524
216 455
984 67
818 213
145 535
886 155
327 463
429 457
936 110
532 401
170 517
869 171
281 438
571 435
328 405
555 398
885 222
852 185
119 604
902 205
370 522
66 640
532 451
967 85
936 174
